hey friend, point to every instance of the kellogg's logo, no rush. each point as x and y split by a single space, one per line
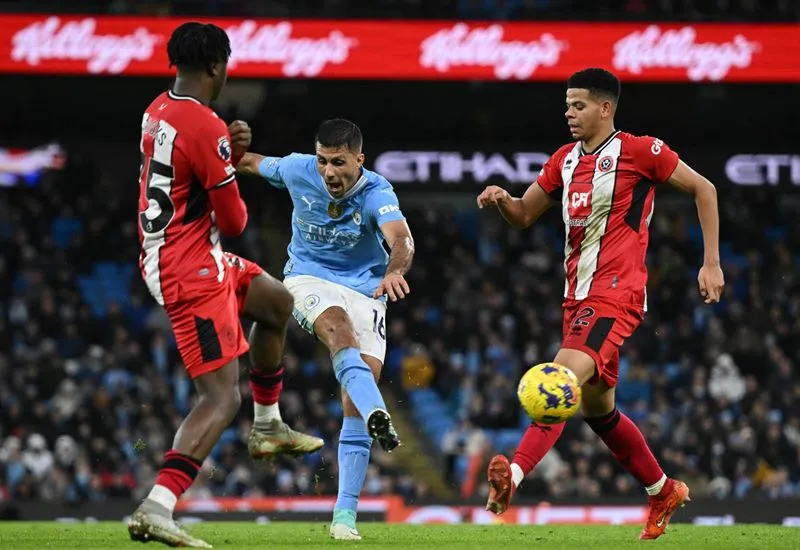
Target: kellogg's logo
251 42
652 48
77 41
254 43
484 47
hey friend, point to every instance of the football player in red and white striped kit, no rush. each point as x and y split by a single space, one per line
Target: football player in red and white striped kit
605 183
188 198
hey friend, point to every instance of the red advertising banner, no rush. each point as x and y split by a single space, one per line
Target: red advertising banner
395 510
431 50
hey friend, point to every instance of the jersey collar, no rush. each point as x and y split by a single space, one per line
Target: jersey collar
360 183
602 146
173 95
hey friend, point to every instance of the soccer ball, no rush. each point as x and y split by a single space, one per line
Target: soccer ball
549 393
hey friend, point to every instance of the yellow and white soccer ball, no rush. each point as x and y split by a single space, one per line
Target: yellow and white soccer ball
549 393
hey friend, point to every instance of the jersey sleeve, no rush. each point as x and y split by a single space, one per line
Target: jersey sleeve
549 178
270 170
382 206
211 155
211 162
278 171
654 159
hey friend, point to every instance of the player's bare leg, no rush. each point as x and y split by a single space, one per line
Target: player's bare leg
630 449
505 477
335 329
353 462
270 305
218 403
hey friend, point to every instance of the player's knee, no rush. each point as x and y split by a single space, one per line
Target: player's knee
335 329
224 403
597 401
579 362
592 408
284 304
268 302
233 402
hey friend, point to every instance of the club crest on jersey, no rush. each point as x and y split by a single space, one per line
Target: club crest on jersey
311 301
605 164
579 203
357 217
335 210
224 148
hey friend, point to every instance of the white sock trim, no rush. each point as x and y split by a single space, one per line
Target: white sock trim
516 474
266 413
163 496
656 487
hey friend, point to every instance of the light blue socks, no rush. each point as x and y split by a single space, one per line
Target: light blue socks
356 378
354 448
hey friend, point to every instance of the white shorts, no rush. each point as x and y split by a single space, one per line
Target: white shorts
313 295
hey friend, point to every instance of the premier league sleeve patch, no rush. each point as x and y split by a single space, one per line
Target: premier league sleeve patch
224 148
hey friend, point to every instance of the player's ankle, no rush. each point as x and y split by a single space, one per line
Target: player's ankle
517 475
345 517
661 487
163 498
266 414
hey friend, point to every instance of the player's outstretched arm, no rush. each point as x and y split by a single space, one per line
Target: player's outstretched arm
398 237
710 279
249 164
519 213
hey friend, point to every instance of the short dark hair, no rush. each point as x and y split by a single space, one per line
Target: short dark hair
195 47
339 132
599 82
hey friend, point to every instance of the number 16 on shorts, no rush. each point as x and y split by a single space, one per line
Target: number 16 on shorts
378 325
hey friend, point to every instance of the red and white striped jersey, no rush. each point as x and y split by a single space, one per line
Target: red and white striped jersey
186 152
607 200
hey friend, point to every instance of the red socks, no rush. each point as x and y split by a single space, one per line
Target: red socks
626 442
266 387
537 441
178 472
622 437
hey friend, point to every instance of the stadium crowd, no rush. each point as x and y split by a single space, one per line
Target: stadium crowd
91 387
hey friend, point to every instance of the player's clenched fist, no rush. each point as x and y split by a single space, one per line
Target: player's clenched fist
711 282
241 136
492 196
394 285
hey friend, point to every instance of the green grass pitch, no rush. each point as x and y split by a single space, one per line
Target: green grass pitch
252 536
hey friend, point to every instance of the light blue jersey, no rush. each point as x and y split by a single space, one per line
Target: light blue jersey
338 240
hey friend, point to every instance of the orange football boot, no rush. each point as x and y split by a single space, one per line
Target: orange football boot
661 509
501 487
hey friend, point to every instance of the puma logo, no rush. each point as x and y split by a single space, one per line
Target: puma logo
308 202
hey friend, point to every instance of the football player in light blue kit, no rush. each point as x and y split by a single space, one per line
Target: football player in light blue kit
340 276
